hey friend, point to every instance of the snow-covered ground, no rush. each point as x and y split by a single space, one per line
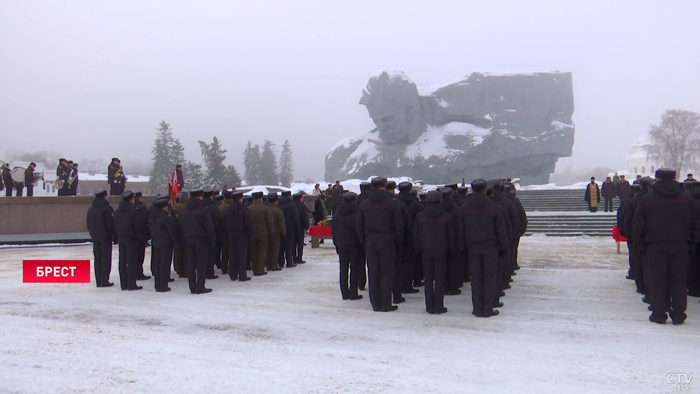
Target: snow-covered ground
571 324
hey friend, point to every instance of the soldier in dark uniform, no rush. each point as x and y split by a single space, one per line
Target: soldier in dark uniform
129 225
292 228
407 242
461 197
406 197
454 276
347 245
304 224
483 233
640 272
144 215
510 191
514 226
264 227
272 260
216 217
165 235
501 277
693 189
365 187
114 177
180 177
380 229
621 209
198 229
73 179
223 240
100 224
29 179
435 237
180 253
63 173
238 223
2 178
666 230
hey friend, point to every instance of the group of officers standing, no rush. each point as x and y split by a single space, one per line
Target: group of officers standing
441 239
201 231
661 220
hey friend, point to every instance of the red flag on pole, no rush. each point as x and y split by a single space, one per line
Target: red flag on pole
173 187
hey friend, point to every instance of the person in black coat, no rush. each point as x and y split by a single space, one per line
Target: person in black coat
180 177
165 235
319 211
198 229
666 229
73 179
129 225
434 236
29 179
510 193
640 271
7 179
293 228
621 209
513 226
214 252
100 224
144 215
238 224
303 212
407 243
63 173
483 233
347 245
381 232
410 259
454 276
365 187
693 189
622 189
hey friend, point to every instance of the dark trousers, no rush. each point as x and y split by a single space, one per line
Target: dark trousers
299 247
180 260
128 262
20 189
141 255
30 191
114 189
211 261
631 252
223 241
465 263
162 256
483 267
608 204
381 258
409 268
217 252
668 262
362 280
500 281
398 273
102 252
238 255
272 260
694 273
197 260
287 249
8 190
434 267
258 252
418 275
350 262
638 272
455 277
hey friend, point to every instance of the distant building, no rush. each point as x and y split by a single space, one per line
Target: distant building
638 162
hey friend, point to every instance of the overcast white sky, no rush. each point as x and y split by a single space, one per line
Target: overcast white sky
94 78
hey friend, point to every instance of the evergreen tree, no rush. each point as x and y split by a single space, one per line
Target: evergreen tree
268 165
232 178
286 165
193 175
167 150
214 157
251 162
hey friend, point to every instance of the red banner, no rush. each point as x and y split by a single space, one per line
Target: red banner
56 271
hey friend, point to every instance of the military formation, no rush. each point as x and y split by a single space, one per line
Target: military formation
202 231
660 219
440 240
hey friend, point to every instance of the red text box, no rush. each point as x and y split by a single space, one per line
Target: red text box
56 271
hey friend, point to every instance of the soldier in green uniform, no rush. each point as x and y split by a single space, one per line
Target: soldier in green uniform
279 231
264 227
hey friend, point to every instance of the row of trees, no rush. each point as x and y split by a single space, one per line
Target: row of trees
262 167
260 164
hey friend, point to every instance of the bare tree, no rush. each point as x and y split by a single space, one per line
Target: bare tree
675 142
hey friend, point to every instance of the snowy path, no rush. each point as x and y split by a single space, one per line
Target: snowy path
571 324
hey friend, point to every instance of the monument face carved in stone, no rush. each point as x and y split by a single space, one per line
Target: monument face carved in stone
484 126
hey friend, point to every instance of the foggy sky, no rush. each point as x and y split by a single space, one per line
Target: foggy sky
93 78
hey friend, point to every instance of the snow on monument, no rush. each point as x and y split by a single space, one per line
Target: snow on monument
484 126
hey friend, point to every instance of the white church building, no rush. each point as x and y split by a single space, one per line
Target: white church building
639 164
